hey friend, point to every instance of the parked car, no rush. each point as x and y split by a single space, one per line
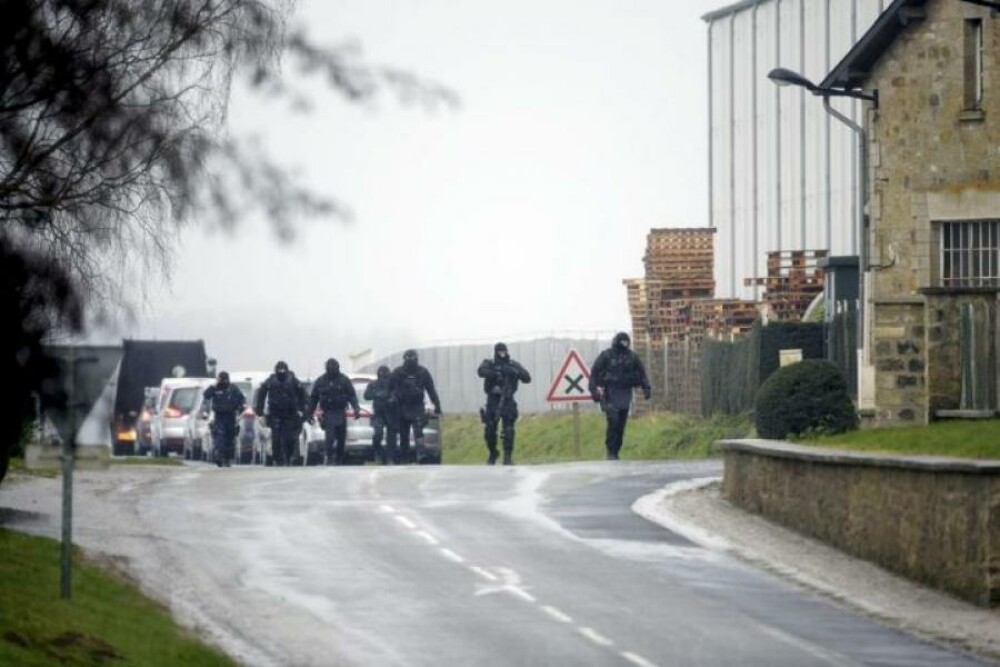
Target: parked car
253 445
178 397
198 445
358 447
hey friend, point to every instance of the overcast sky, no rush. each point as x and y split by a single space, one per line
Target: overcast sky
582 124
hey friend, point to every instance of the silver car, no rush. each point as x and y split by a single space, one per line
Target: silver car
178 397
358 447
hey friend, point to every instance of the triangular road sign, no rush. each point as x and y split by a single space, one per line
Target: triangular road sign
570 383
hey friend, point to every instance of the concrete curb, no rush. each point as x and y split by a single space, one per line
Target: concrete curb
687 508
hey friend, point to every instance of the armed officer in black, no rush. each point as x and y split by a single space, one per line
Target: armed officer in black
286 408
333 392
385 420
409 383
227 402
616 372
501 375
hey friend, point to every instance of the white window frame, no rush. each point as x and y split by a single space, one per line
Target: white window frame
968 253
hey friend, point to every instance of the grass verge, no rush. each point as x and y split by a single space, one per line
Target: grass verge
548 437
965 439
106 622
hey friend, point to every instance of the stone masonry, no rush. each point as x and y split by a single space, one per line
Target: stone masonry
931 159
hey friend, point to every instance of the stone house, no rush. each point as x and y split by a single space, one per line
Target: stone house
933 211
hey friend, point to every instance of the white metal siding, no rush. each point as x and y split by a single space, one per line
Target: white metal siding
814 175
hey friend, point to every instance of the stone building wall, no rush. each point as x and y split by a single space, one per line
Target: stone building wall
930 160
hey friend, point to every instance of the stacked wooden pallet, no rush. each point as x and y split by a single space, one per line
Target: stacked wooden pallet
793 280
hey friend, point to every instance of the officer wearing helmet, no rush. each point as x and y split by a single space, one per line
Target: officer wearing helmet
409 383
616 372
333 392
286 408
501 375
226 401
385 420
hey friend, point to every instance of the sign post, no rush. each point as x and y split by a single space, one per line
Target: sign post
570 386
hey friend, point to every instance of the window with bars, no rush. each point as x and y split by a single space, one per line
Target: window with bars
969 253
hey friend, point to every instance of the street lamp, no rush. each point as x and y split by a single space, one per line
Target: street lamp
786 77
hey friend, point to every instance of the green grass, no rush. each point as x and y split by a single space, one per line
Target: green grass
965 439
107 622
548 437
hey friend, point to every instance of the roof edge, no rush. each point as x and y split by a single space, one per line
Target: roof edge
732 8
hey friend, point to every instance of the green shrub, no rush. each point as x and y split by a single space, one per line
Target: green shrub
808 397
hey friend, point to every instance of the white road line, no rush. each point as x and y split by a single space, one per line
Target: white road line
388 508
521 593
486 574
595 637
557 614
451 555
430 538
637 659
406 522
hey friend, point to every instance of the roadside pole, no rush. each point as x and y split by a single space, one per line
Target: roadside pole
576 429
69 442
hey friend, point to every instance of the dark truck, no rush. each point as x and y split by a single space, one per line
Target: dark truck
144 364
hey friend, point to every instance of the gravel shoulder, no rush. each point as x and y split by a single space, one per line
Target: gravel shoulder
698 511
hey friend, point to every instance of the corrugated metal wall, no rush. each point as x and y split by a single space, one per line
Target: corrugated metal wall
461 390
782 170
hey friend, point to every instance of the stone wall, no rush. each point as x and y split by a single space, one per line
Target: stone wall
900 362
934 520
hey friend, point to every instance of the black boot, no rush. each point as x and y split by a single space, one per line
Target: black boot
507 458
493 457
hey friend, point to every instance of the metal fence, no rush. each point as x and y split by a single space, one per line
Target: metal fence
461 390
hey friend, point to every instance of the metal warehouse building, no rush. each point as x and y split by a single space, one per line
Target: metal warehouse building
782 172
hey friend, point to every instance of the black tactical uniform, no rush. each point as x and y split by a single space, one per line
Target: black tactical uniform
501 375
227 402
333 392
615 373
408 383
286 407
385 420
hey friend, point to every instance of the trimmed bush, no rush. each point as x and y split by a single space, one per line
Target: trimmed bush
808 397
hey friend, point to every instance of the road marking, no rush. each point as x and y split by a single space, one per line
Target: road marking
557 614
595 637
451 555
406 522
430 538
521 593
637 659
486 574
388 508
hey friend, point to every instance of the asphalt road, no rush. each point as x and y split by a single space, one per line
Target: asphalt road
481 566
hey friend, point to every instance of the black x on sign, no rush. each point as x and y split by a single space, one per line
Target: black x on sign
570 383
574 384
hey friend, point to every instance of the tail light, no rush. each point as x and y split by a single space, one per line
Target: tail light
127 435
171 412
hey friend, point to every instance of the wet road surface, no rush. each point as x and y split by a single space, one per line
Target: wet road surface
531 565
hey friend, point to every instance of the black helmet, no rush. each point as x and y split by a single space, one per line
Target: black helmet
383 372
500 351
621 339
332 366
410 356
280 366
223 376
